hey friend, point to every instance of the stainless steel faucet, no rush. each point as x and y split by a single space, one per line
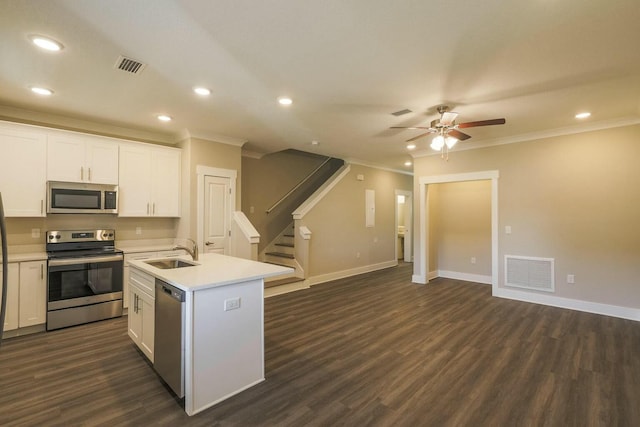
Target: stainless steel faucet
193 251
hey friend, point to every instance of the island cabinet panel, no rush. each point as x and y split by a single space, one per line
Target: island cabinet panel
141 312
229 357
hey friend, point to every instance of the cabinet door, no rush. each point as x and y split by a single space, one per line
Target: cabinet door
134 316
147 307
165 183
134 185
13 277
33 293
23 165
66 158
102 162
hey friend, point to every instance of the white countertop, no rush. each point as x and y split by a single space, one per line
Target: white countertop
212 270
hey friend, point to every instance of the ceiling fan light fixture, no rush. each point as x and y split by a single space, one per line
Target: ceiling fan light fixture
437 143
411 146
583 115
450 141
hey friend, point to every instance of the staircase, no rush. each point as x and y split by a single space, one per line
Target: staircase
282 252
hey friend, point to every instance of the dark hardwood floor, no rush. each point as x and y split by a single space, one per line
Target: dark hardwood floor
369 350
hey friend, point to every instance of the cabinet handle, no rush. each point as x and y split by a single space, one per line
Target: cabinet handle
81 173
41 271
135 303
41 206
89 174
147 208
154 208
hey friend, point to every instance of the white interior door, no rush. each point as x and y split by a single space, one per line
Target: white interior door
217 191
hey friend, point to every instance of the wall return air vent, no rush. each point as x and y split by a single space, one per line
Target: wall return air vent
129 65
529 273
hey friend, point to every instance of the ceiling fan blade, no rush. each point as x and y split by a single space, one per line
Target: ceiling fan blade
482 123
448 117
419 136
409 127
458 135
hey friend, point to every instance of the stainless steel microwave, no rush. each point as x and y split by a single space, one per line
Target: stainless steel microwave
76 197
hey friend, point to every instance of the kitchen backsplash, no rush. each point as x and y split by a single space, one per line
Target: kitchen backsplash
31 231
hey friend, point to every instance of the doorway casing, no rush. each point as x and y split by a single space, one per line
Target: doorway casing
421 246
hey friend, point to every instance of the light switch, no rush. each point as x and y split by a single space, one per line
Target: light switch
507 229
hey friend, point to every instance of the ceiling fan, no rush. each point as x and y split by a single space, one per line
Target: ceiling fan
447 130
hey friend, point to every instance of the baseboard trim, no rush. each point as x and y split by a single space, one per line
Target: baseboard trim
571 304
323 278
285 289
478 278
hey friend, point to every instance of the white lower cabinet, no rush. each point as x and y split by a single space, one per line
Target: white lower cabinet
33 293
141 313
13 292
26 294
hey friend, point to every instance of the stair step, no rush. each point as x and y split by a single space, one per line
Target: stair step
282 282
288 245
281 255
288 235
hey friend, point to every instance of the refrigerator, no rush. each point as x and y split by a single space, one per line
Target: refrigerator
5 268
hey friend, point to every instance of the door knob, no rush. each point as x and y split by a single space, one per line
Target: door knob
210 243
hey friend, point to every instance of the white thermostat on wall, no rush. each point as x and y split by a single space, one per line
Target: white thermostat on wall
360 177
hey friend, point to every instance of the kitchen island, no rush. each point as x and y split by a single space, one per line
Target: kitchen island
223 326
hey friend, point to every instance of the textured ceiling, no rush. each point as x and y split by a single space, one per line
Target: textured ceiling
347 65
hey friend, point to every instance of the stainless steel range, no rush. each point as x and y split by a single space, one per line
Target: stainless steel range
84 277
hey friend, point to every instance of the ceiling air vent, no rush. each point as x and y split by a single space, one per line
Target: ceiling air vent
401 112
129 65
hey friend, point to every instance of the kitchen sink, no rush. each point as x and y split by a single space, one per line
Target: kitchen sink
166 264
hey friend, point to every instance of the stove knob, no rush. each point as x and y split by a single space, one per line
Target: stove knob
110 234
58 236
51 236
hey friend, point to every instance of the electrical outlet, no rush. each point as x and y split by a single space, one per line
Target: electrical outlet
473 260
231 304
138 230
507 229
571 279
35 233
357 254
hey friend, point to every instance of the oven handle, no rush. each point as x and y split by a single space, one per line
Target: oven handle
84 260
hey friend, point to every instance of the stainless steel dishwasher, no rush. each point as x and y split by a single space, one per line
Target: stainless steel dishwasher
169 336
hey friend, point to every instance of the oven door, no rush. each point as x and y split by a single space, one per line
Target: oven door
81 281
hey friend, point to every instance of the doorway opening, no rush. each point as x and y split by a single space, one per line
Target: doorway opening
421 266
404 225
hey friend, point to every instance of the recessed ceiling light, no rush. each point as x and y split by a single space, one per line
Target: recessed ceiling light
46 43
202 91
164 118
285 100
583 115
41 91
408 163
411 146
314 142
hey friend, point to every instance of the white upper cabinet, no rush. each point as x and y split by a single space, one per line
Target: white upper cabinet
23 165
81 158
149 181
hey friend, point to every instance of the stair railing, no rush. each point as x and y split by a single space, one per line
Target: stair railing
276 204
